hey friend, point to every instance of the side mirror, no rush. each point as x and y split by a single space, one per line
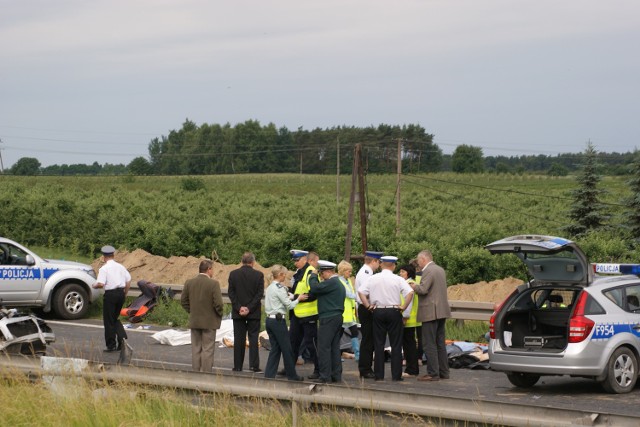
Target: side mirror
29 260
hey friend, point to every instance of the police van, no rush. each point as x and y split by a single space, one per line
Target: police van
27 280
571 318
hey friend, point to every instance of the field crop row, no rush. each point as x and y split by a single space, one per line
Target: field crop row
453 215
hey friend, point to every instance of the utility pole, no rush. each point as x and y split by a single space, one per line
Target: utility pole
357 174
398 187
338 173
1 164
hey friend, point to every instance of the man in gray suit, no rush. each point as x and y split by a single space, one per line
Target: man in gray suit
433 311
202 299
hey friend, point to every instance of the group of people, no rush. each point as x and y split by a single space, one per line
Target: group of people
322 302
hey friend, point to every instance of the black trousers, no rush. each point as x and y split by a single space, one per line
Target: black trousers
387 322
240 329
366 344
305 332
433 338
280 345
329 334
410 350
111 305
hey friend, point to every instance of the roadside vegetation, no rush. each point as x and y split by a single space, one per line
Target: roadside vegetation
454 215
33 403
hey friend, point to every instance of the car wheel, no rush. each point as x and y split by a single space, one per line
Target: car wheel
71 301
622 371
522 380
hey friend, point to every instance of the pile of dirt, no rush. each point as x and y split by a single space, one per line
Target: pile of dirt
176 270
495 291
169 271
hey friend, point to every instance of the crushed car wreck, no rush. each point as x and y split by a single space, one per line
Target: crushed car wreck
23 334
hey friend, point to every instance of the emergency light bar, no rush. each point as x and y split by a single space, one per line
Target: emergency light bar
604 268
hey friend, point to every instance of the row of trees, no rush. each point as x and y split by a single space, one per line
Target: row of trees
250 147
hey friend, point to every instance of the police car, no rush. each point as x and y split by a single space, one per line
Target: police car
571 318
26 280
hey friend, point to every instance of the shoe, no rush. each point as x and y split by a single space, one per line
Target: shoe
282 373
444 377
320 381
298 378
428 378
111 349
236 369
368 376
408 375
398 379
256 370
314 376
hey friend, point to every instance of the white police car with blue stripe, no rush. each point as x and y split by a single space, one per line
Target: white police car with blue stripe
571 318
27 280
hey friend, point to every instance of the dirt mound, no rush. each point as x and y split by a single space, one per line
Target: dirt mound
176 270
495 291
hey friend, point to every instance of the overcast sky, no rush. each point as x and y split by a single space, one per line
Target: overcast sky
84 81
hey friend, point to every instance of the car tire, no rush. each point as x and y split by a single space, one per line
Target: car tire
523 380
622 371
71 301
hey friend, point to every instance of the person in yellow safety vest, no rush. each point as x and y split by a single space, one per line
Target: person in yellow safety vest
349 316
411 326
303 325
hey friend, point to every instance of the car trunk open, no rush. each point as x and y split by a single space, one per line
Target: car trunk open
536 318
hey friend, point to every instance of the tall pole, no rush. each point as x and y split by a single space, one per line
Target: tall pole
1 164
363 207
352 202
398 187
338 173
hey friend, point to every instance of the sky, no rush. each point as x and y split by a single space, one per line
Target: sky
86 81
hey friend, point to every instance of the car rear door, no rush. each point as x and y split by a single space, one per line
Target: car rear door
549 259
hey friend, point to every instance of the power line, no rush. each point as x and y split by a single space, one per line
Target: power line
506 190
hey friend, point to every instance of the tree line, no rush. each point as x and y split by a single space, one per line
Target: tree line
249 147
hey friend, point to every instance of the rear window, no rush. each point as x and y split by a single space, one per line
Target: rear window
546 299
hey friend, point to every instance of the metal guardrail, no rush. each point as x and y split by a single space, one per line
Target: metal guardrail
431 405
460 310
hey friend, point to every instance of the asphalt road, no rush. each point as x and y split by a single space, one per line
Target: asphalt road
85 339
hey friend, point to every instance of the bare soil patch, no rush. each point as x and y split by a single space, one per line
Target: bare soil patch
176 270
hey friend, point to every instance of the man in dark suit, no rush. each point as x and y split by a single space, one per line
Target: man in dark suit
246 289
202 299
433 311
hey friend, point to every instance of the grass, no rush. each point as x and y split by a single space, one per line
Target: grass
84 404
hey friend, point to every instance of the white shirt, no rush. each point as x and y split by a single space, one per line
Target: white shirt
113 275
364 274
384 288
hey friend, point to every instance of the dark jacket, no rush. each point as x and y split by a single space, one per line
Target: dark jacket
202 299
246 289
330 294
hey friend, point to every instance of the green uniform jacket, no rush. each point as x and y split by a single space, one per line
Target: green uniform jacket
330 294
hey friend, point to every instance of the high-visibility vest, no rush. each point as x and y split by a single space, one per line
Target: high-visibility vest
349 313
304 308
412 321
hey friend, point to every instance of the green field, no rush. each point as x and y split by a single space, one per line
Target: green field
454 215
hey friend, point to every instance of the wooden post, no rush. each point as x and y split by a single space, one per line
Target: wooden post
338 173
352 201
399 168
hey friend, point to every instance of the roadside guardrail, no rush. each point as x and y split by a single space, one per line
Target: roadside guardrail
460 310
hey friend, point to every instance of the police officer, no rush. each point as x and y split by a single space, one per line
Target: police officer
371 264
330 294
115 279
303 329
381 295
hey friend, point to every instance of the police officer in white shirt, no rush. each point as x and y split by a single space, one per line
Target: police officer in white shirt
381 294
115 279
365 316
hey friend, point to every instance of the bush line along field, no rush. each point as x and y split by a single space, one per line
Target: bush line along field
454 215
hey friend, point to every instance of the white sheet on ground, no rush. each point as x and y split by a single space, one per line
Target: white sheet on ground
176 337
